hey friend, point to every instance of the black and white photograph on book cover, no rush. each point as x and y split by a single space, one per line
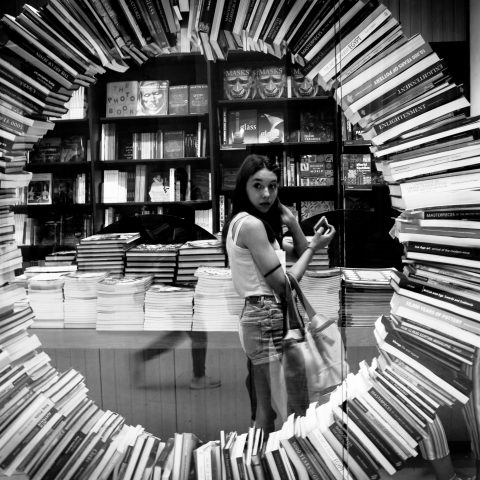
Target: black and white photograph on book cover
40 189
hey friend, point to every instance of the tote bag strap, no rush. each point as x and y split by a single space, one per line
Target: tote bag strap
291 310
310 311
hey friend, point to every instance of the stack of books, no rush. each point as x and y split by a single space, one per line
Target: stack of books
120 302
168 307
196 253
45 294
62 257
159 261
323 290
80 298
10 261
366 295
320 259
105 252
216 305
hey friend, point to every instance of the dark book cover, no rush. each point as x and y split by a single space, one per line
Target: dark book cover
178 100
198 98
315 127
47 150
73 149
242 127
271 127
173 144
63 188
270 81
125 147
239 83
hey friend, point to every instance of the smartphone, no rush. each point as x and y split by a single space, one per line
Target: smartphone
321 223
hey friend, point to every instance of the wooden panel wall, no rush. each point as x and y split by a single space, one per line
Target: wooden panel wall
436 20
165 404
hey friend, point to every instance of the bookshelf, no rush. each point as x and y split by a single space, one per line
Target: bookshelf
63 157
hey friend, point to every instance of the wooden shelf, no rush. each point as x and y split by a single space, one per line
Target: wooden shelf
171 117
120 162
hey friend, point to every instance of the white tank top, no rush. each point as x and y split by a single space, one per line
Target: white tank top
247 278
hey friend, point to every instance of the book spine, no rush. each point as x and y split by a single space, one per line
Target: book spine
390 456
345 30
396 415
356 42
364 462
437 370
407 61
467 305
311 37
277 22
470 253
309 466
402 89
408 116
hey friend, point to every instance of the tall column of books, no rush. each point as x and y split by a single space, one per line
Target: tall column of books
402 96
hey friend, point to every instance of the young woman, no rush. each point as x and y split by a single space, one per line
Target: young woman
252 238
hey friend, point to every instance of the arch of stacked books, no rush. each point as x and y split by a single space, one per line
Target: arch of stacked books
401 95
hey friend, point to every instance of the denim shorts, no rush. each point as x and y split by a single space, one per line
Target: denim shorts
261 330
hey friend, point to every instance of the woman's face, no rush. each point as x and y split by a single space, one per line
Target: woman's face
262 189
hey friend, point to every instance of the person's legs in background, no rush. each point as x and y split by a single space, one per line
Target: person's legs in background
199 354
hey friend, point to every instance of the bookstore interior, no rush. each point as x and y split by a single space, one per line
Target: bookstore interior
124 126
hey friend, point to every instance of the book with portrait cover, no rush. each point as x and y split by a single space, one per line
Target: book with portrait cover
121 99
302 86
242 127
271 81
178 100
198 98
152 97
238 83
40 189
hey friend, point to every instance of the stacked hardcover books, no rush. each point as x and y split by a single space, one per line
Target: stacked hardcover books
366 295
159 261
196 253
105 252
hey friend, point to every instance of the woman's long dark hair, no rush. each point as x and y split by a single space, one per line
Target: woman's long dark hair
241 203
